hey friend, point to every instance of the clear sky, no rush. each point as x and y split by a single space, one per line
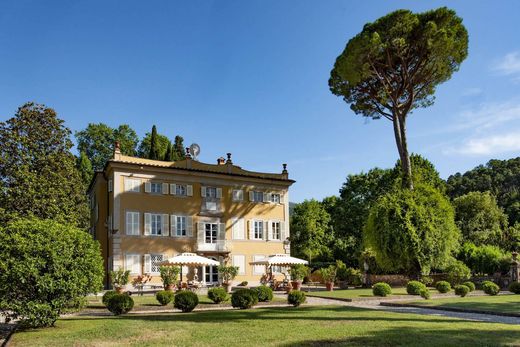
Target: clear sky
250 78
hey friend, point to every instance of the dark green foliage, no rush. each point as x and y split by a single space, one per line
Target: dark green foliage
299 272
120 304
44 266
412 230
350 275
186 301
485 259
443 286
264 293
244 298
514 287
296 297
217 295
470 285
415 287
490 288
457 272
162 144
461 290
178 150
85 168
168 156
381 289
154 147
164 297
425 294
38 173
427 280
108 294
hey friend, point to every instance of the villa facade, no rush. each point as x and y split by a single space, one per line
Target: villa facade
146 211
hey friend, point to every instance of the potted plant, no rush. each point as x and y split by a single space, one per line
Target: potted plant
227 274
329 276
139 282
120 279
298 273
169 276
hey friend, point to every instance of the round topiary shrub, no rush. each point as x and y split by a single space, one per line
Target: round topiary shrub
244 298
425 293
108 294
461 290
514 287
264 293
381 289
186 301
296 297
120 304
490 288
164 297
443 286
470 285
217 295
415 287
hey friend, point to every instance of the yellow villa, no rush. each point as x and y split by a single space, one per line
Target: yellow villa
146 211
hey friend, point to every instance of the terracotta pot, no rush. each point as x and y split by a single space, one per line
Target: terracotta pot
288 288
329 286
227 287
297 285
120 290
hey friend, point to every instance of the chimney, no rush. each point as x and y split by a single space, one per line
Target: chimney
117 151
228 161
221 161
188 154
284 171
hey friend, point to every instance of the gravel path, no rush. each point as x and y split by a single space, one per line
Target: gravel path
374 305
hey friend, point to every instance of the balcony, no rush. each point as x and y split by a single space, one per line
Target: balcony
223 246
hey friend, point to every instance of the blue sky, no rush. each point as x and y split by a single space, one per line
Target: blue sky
250 78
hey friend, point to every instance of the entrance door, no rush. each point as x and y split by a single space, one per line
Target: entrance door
211 273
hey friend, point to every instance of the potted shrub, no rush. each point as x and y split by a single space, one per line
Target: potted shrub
139 282
169 276
120 279
329 276
298 273
227 274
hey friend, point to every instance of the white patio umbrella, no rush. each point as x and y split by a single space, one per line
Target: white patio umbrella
189 259
280 259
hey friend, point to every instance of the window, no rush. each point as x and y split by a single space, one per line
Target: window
210 232
180 189
133 263
275 198
132 223
132 185
238 195
211 206
258 230
258 269
240 261
181 226
211 273
156 187
238 229
156 224
211 192
155 259
256 196
276 231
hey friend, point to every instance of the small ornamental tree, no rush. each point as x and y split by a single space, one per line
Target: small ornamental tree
394 66
412 230
45 265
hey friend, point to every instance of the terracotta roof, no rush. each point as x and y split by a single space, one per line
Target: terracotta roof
193 165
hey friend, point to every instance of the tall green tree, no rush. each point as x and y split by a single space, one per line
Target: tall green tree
97 142
38 174
310 230
169 153
154 150
179 152
85 168
162 145
394 66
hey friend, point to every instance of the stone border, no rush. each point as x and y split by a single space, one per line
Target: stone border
4 342
450 309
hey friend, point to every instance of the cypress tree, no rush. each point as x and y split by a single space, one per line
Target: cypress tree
154 150
168 155
179 152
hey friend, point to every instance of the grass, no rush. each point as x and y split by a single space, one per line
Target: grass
356 293
499 303
303 326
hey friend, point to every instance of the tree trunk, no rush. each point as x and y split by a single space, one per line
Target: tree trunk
402 147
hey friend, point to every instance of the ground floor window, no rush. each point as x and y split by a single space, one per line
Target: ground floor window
155 259
211 231
211 273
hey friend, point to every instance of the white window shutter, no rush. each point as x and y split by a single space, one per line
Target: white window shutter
200 231
138 232
221 231
189 190
219 193
234 228
282 231
251 196
266 197
203 191
173 225
173 189
266 227
282 198
189 226
128 224
269 230
165 226
147 187
241 226
147 223
147 263
251 227
165 188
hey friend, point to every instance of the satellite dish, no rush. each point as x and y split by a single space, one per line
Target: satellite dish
194 150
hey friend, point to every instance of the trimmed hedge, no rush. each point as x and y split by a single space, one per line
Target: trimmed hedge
461 290
120 304
186 301
514 287
164 297
264 293
415 287
296 297
443 286
490 288
381 289
470 285
217 295
108 294
244 298
425 293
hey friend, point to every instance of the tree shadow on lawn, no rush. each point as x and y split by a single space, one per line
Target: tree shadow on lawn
407 336
512 306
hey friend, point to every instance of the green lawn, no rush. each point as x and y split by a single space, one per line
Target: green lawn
356 293
499 303
307 326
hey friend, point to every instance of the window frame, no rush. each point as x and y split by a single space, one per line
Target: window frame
279 230
258 231
238 197
157 223
256 195
152 255
157 185
138 225
136 185
177 229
